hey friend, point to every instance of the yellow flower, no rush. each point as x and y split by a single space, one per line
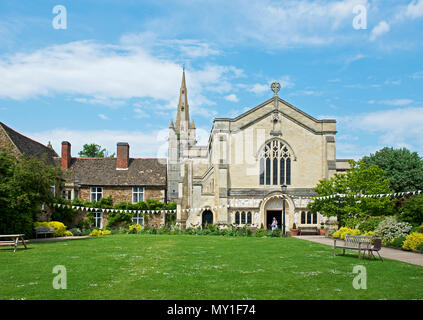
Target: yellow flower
412 241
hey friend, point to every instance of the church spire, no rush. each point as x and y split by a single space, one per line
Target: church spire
182 117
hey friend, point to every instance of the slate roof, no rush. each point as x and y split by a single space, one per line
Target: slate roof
28 146
102 172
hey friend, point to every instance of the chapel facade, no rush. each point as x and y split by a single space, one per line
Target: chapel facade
262 164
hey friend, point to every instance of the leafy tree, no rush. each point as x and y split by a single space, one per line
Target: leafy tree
361 179
93 150
403 168
412 210
24 185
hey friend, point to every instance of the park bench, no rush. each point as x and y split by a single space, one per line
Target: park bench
308 230
43 230
14 242
359 243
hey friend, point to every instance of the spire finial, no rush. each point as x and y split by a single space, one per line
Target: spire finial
275 86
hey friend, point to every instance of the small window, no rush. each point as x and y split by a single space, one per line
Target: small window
303 217
53 190
314 218
67 194
137 194
243 218
138 218
96 193
98 220
249 218
237 217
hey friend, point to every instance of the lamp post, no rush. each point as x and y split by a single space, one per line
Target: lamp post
283 188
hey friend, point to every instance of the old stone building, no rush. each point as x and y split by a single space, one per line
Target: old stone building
123 178
22 145
250 164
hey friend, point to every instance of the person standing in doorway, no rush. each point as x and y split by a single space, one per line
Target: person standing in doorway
274 224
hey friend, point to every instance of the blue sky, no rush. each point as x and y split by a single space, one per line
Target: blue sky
114 73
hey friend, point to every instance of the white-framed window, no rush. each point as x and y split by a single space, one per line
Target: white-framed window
308 218
98 220
53 190
96 193
137 194
243 218
67 194
138 218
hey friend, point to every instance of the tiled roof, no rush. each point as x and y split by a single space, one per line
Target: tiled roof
102 172
28 146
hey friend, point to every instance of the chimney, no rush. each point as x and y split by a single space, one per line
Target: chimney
66 154
122 160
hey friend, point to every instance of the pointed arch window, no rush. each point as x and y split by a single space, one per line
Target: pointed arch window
275 164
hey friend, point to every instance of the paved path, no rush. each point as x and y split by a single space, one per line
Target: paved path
389 253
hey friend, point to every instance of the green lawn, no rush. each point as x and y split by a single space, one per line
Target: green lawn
199 267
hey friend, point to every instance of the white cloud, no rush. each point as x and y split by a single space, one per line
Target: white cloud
94 73
413 10
103 116
232 97
142 144
394 102
260 88
398 127
382 28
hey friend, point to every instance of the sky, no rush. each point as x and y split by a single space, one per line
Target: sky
110 71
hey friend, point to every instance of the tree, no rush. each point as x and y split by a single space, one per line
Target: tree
403 168
24 185
361 179
93 150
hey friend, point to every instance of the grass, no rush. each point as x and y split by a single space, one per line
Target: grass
199 267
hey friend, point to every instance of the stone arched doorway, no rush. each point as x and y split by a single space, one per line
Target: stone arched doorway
274 209
207 218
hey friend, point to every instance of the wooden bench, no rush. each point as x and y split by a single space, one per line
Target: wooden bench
14 242
43 230
308 230
359 243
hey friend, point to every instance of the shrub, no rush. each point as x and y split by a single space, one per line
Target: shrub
75 231
390 228
412 241
370 224
134 228
99 232
420 247
343 231
68 234
59 227
412 210
260 233
398 242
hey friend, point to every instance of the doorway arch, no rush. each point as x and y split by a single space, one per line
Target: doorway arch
273 208
207 218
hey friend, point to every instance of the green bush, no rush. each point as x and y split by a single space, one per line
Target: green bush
412 210
75 231
260 233
370 224
420 247
390 228
397 243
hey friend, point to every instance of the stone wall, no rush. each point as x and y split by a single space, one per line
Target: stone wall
124 194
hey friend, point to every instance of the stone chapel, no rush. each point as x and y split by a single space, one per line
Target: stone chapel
262 164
